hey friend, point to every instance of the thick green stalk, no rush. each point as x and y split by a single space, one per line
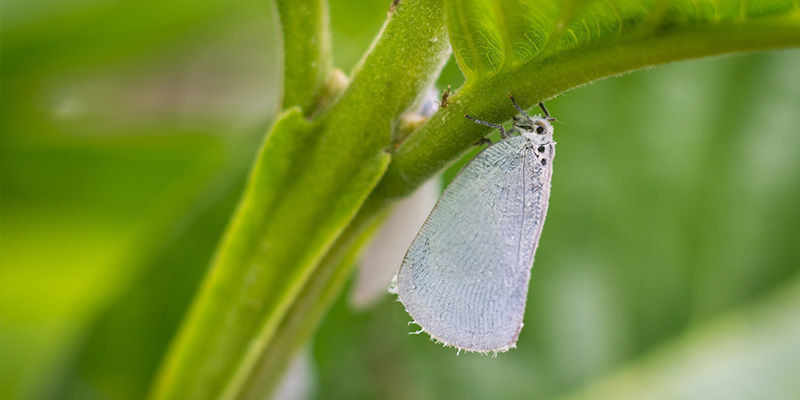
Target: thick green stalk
311 306
307 51
308 183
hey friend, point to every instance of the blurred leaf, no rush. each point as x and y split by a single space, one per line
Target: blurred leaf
749 353
43 34
112 365
112 146
78 218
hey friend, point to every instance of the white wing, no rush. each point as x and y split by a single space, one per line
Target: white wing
465 277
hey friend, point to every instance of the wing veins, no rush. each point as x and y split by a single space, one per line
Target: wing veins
524 194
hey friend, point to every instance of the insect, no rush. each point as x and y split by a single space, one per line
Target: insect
464 280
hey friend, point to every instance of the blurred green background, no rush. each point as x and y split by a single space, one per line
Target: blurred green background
668 267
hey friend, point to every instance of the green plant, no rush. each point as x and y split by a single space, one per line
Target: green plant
321 184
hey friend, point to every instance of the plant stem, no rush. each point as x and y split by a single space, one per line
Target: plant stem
307 51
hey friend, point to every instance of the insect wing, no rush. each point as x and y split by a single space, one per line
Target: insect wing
465 277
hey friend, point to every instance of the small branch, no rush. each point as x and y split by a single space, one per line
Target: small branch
306 51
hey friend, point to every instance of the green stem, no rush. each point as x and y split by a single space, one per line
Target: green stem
306 51
317 296
301 196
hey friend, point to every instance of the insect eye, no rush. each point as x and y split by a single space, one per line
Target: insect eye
539 129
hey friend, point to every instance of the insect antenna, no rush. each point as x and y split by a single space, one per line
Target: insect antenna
544 109
521 111
503 133
546 113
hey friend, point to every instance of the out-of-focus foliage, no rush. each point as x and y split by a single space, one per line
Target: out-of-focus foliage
128 127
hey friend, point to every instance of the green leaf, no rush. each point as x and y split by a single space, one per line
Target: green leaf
76 34
108 363
475 32
119 199
550 48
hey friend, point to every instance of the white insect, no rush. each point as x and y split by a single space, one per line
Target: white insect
464 279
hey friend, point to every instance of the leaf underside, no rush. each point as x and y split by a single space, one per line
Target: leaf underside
489 36
537 50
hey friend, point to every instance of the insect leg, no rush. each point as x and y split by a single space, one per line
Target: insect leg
483 141
503 133
521 111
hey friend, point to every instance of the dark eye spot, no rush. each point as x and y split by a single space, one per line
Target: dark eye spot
540 149
544 161
540 129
